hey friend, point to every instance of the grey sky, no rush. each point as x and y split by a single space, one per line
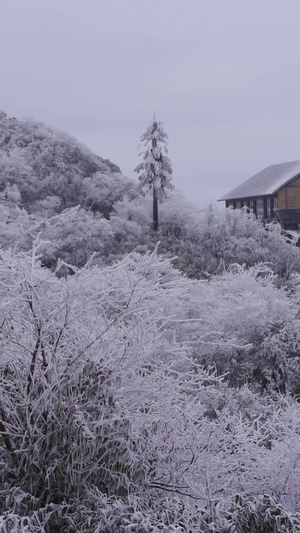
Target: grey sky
223 76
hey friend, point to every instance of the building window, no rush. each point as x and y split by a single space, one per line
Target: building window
269 208
254 207
260 208
275 203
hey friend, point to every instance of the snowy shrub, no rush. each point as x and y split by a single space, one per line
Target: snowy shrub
108 421
261 515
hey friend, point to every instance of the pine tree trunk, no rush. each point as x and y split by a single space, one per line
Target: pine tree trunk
155 210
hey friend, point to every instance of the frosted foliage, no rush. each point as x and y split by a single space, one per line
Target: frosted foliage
155 172
74 236
109 423
45 163
132 397
209 240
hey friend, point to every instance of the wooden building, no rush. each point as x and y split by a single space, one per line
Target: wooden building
272 194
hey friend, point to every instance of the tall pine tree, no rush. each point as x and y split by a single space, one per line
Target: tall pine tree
155 172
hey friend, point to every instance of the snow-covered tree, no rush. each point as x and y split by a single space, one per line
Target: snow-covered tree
156 169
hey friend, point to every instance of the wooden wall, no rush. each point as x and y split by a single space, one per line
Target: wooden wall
289 196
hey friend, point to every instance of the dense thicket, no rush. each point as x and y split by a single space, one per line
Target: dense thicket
149 381
110 423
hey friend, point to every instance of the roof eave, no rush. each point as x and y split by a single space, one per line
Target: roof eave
243 197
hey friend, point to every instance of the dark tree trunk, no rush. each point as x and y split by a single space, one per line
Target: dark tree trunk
155 200
155 210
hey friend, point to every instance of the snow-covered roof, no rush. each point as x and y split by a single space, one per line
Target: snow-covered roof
267 181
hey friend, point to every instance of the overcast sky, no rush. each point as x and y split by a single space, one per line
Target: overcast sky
222 75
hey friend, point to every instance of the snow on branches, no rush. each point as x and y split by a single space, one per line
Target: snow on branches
108 418
156 169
